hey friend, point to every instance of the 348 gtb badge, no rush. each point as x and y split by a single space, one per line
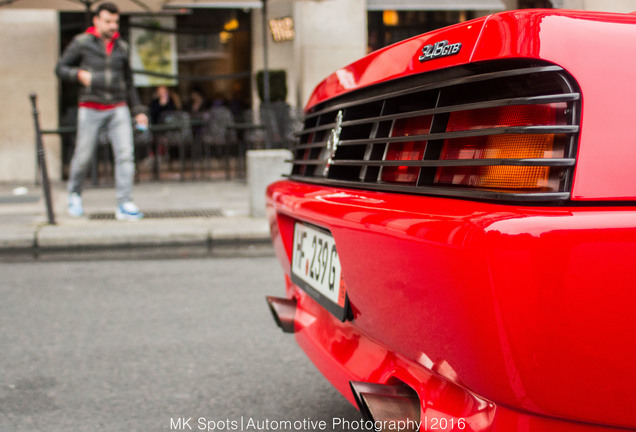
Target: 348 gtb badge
439 49
459 238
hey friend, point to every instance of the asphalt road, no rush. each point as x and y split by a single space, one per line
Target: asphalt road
138 345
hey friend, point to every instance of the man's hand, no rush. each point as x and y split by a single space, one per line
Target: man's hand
142 120
84 77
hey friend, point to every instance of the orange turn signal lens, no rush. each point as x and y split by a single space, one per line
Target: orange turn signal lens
497 176
506 146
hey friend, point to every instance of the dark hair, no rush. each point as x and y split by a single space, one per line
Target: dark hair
108 7
197 89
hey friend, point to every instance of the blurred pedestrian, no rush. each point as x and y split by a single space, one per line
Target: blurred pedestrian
164 101
197 104
98 61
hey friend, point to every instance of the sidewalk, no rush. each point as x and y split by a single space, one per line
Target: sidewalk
190 218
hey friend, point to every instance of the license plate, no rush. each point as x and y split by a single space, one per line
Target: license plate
316 268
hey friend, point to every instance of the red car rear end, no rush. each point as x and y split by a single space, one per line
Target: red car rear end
458 231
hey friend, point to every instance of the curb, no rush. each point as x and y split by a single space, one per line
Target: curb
238 236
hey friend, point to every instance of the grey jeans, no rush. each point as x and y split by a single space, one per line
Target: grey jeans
118 124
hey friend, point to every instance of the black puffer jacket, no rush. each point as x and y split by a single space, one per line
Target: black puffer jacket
111 75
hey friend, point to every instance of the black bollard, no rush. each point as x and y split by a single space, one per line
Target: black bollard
46 184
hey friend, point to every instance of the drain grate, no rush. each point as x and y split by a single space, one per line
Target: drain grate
164 214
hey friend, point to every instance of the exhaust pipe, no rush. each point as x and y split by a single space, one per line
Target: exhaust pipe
284 311
386 403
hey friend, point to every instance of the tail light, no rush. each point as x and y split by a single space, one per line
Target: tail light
406 151
495 155
504 131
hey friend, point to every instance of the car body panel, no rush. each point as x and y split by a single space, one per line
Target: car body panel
516 317
513 298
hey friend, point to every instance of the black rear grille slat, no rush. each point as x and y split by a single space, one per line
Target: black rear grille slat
434 86
566 97
451 192
459 134
346 140
561 162
456 134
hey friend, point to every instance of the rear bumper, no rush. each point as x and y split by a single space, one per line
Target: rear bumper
343 354
496 316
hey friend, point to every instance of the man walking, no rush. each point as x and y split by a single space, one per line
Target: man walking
98 61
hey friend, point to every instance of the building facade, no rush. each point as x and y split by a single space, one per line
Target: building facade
308 39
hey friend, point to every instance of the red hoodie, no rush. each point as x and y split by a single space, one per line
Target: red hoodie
111 41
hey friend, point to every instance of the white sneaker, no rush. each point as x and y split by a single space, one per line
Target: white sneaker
128 211
75 207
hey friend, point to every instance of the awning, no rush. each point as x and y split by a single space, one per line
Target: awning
125 6
219 4
149 6
130 6
494 5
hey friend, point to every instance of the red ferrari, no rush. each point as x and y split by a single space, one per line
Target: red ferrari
458 230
